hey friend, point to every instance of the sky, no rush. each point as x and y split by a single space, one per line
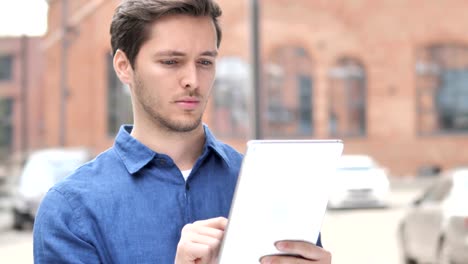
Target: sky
23 17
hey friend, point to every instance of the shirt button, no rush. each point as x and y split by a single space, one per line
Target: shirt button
162 162
187 187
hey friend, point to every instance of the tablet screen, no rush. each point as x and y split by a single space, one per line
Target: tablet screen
282 193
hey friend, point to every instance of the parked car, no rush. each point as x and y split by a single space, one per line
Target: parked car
435 228
42 170
359 182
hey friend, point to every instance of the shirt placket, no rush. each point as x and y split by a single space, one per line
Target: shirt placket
187 202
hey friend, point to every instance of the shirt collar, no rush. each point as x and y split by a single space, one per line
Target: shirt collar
135 155
214 144
132 152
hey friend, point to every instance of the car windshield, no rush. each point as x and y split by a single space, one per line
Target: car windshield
354 168
358 163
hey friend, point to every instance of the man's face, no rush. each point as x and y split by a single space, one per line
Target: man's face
174 72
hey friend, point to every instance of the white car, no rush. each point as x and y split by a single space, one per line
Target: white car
435 228
42 170
359 182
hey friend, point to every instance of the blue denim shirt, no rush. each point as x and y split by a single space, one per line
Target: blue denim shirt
130 203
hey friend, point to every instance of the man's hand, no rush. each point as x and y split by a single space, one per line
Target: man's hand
200 241
305 252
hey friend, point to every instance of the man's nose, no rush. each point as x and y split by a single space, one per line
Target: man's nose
190 77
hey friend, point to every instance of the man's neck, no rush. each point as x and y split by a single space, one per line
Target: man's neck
183 147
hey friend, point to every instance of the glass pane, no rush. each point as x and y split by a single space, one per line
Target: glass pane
347 99
6 65
6 128
452 100
439 192
288 91
442 83
305 104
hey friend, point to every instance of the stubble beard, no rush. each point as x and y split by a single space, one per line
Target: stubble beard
166 123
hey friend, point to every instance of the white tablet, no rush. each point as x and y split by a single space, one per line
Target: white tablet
282 193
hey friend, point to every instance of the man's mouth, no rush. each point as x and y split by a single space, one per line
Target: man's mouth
188 103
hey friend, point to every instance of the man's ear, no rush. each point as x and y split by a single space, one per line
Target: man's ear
122 67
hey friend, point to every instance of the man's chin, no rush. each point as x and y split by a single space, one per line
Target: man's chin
182 126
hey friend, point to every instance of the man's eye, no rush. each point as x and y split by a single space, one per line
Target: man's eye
206 62
168 62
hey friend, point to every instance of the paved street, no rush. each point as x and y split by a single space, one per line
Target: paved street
366 236
353 236
16 247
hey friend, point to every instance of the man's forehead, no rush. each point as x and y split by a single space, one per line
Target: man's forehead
180 35
175 23
173 52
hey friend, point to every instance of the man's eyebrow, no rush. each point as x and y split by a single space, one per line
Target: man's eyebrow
176 53
170 53
212 53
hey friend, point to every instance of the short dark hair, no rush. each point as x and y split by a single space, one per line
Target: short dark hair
132 19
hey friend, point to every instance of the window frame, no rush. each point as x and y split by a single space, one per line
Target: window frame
431 63
347 70
288 65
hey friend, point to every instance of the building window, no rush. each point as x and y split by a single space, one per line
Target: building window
305 106
6 127
6 67
442 89
347 99
119 106
230 94
288 92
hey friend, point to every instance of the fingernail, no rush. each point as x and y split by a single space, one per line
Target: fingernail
265 260
280 245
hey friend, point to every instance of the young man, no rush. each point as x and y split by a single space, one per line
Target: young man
162 192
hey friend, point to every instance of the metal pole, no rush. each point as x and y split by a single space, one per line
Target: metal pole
256 67
63 75
24 94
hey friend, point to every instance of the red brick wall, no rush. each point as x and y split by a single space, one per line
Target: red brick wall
87 76
31 100
384 35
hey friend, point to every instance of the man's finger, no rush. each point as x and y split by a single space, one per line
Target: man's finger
203 230
305 249
196 252
218 223
280 259
205 240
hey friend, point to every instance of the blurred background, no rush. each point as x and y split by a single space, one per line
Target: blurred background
389 77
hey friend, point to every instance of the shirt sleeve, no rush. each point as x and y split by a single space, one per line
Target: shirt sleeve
57 237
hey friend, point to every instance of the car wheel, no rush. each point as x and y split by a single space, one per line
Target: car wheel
443 256
408 260
18 220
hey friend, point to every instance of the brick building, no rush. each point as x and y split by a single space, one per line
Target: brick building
21 76
389 77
